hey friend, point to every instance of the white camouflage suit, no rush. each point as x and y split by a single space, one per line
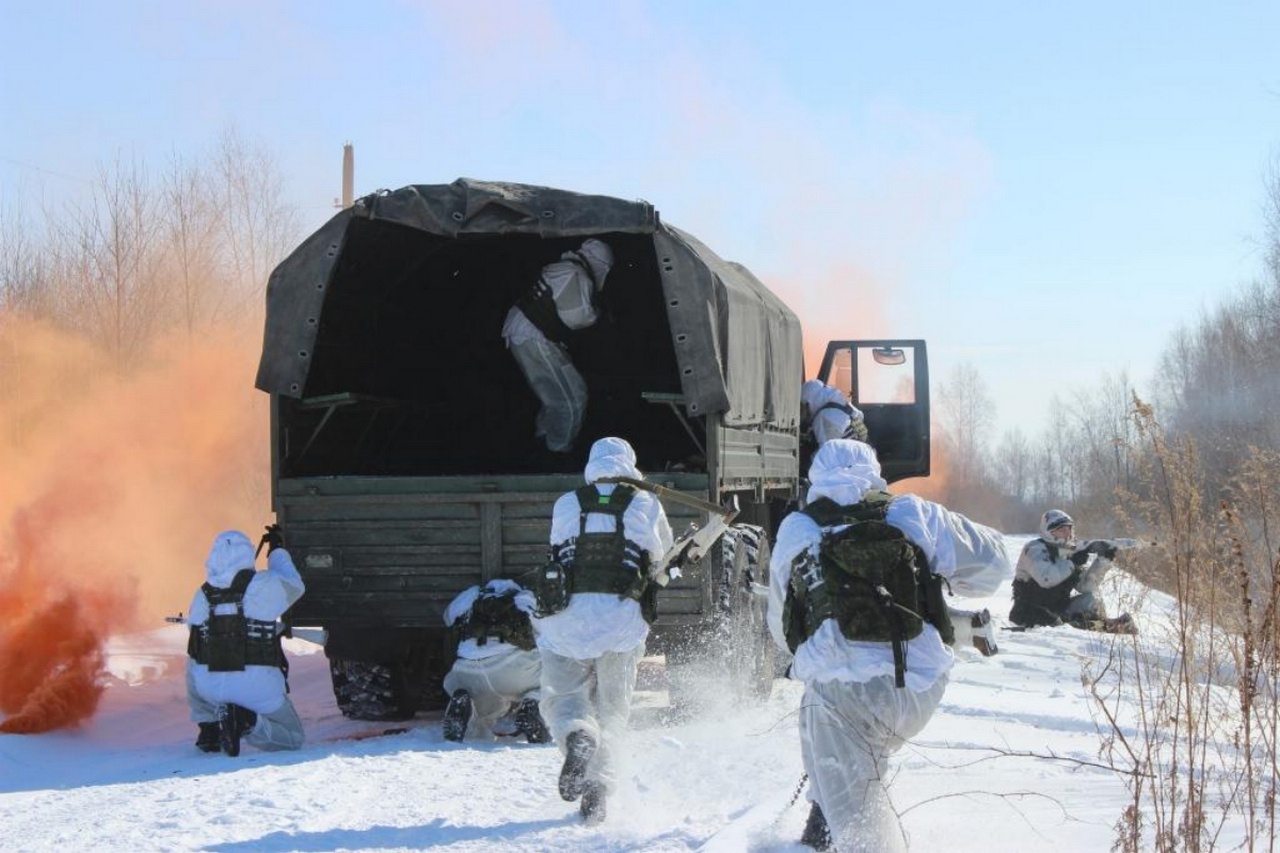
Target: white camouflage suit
833 423
852 718
496 674
590 650
545 364
1057 570
261 689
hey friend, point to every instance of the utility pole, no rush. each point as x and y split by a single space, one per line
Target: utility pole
348 177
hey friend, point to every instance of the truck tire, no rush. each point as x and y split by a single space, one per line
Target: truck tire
730 659
743 632
370 691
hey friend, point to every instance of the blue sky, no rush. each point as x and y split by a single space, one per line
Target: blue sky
1044 193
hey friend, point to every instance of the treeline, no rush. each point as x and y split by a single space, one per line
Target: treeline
1192 465
130 430
139 253
1218 391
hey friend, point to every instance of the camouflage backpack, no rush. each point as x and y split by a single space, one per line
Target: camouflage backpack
868 577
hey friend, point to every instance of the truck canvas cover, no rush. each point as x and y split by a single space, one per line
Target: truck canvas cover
736 345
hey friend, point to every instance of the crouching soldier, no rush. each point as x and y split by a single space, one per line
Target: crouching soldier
855 591
606 540
236 684
1056 579
498 668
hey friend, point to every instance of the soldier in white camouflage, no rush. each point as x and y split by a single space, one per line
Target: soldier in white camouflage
498 669
855 590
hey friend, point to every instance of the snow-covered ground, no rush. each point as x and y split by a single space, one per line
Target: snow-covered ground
131 780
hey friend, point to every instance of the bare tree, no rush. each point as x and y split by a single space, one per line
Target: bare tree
966 413
1105 431
109 248
1013 464
24 268
1271 214
1059 469
258 227
192 230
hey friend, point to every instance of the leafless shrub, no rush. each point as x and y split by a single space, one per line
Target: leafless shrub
1188 710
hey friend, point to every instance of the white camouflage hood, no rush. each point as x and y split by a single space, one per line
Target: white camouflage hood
814 395
231 552
844 470
611 457
598 256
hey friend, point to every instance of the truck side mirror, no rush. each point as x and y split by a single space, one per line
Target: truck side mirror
890 356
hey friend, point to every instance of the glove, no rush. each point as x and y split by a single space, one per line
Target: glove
680 560
1105 550
1079 558
274 537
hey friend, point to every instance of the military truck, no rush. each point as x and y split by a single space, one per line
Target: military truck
404 463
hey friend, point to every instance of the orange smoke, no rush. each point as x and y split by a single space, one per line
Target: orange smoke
838 302
51 658
935 487
112 485
56 681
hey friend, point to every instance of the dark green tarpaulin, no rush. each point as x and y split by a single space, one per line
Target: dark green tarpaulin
737 345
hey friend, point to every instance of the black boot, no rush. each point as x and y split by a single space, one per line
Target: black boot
207 741
530 724
592 806
457 716
579 748
233 723
816 832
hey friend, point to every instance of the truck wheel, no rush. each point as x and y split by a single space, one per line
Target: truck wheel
746 646
369 691
729 659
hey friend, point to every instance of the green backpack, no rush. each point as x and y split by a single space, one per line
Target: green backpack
868 577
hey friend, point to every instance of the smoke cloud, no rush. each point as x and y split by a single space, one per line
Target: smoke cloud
113 485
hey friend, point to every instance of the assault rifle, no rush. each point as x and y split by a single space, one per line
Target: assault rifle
694 541
1093 546
1104 551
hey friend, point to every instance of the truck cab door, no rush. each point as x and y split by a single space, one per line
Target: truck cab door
889 382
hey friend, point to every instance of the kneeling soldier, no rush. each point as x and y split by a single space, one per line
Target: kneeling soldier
236 685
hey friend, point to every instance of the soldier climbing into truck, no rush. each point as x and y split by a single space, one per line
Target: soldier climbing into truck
538 329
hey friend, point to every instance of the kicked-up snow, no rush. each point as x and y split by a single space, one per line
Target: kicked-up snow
1009 763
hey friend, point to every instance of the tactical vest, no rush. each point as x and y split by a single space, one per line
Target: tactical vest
227 642
607 562
868 577
539 305
856 428
1028 595
495 614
